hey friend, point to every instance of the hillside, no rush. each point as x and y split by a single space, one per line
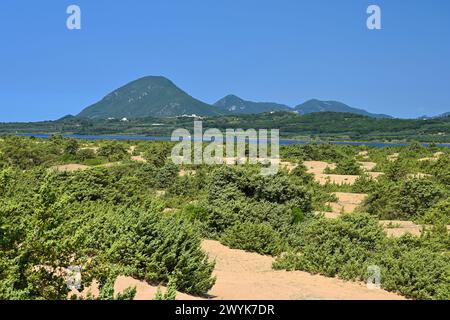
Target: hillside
323 125
148 97
236 105
314 105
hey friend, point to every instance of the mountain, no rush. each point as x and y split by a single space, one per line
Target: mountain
236 105
148 97
444 115
315 105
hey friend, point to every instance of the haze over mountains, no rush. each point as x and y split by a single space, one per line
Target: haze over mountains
156 96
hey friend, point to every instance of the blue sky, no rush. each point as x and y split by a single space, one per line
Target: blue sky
285 51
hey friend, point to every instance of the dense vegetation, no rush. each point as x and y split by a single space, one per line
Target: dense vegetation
147 220
324 126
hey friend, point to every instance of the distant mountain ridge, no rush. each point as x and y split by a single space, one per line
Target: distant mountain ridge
314 105
158 97
148 97
443 115
236 105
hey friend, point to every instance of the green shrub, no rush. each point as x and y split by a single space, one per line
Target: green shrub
417 273
416 196
346 166
260 238
405 200
337 247
113 151
237 196
346 247
440 212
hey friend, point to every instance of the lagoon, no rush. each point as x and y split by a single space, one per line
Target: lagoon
282 141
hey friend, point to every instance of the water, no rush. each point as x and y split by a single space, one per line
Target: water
284 142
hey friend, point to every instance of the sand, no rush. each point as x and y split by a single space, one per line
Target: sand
347 202
318 167
184 173
393 157
368 166
242 275
335 179
395 228
249 276
138 159
70 168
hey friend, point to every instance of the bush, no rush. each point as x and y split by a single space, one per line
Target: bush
347 166
440 212
416 273
333 247
260 238
405 200
113 151
416 196
346 247
236 195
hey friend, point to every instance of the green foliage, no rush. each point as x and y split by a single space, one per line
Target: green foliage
347 246
236 195
260 238
104 219
333 247
416 196
171 293
71 147
440 212
414 272
346 166
301 174
441 170
113 151
157 153
396 170
325 126
85 155
113 220
364 184
406 200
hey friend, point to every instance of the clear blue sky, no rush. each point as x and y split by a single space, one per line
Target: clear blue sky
285 51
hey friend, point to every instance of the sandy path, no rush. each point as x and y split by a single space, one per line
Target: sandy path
242 275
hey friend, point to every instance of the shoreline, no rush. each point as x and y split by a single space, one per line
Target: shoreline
283 141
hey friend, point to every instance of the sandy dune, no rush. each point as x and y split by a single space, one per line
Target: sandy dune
138 158
399 228
323 179
184 173
144 291
70 168
318 167
347 203
242 275
368 166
